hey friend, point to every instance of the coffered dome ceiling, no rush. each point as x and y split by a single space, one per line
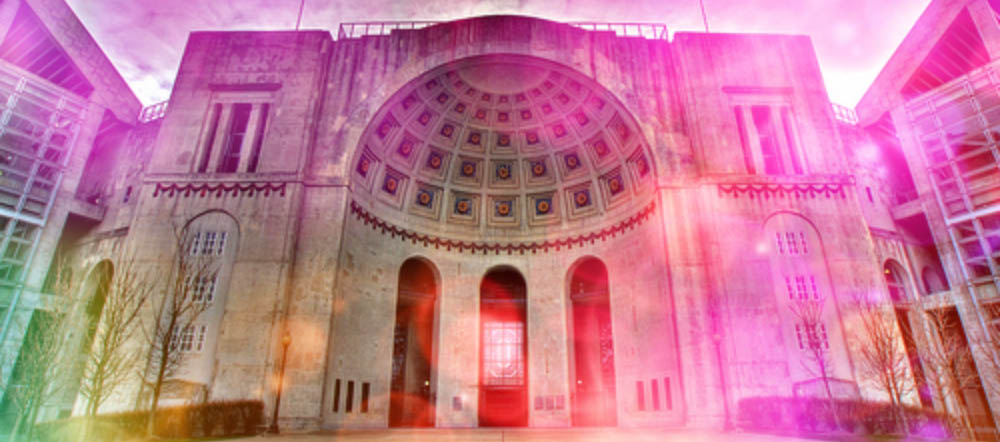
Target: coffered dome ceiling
502 146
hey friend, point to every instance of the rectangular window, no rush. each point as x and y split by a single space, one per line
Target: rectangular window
365 389
744 143
213 127
336 396
222 244
654 388
811 337
640 396
667 399
195 244
234 140
200 342
503 344
781 245
258 140
800 286
793 246
786 122
805 246
764 124
208 243
349 400
202 288
187 339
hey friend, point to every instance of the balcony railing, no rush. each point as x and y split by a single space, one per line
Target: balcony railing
844 114
654 31
153 112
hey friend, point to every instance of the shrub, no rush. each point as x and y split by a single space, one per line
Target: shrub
814 415
220 419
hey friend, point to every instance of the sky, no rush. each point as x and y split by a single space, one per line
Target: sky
853 38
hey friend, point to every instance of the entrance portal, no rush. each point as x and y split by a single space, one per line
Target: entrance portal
411 398
593 398
503 380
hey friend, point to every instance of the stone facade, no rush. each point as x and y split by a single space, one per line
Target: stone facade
534 145
705 174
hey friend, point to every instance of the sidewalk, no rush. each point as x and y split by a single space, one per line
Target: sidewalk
523 435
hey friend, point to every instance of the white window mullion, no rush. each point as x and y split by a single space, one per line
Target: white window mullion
221 137
753 138
250 138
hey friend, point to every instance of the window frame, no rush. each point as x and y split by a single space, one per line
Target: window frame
217 125
784 131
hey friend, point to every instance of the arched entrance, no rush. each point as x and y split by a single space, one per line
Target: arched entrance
411 396
503 378
896 280
593 354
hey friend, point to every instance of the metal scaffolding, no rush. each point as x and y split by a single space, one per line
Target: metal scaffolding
39 124
958 130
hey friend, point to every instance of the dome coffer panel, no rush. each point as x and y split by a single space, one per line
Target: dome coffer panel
509 144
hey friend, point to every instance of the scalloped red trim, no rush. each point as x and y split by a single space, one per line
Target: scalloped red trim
475 247
768 191
219 189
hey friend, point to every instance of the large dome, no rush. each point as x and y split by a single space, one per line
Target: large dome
504 145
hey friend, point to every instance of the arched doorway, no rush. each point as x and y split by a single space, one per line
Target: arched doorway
593 354
897 282
95 290
411 397
503 378
894 280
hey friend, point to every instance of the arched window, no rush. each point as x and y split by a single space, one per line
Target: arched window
896 281
933 280
210 245
804 299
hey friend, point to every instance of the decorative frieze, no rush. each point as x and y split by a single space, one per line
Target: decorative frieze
797 191
218 190
484 247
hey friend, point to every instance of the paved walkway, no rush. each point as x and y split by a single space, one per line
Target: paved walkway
523 435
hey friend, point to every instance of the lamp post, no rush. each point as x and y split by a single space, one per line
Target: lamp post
285 341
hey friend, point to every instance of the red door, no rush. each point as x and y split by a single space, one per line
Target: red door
594 398
593 386
503 380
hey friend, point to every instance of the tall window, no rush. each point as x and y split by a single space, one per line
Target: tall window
233 136
768 139
189 340
234 139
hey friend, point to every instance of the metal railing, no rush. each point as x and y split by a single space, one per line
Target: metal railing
153 112
844 114
361 29
375 28
652 31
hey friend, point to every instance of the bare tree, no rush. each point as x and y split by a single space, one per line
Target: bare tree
989 344
882 358
811 333
110 363
949 366
170 327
